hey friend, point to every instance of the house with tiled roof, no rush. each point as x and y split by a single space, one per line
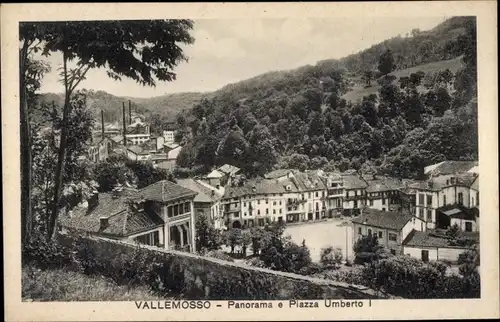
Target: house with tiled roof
222 175
161 214
437 192
257 201
206 202
383 193
312 190
354 193
390 227
429 246
334 184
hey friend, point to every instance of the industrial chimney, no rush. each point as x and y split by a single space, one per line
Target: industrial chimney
129 112
102 124
124 126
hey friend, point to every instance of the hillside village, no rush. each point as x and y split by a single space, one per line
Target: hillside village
344 170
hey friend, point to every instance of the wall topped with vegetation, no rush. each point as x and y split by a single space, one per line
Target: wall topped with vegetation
196 277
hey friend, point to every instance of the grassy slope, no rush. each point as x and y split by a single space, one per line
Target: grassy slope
358 92
65 285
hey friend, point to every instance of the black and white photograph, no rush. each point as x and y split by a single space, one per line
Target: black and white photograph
170 163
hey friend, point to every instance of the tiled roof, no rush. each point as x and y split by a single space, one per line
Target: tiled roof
424 239
450 167
121 220
136 149
228 169
165 191
215 174
277 173
262 186
384 184
438 183
460 212
352 181
204 193
309 181
383 219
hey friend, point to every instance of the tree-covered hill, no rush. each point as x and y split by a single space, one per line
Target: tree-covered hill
413 116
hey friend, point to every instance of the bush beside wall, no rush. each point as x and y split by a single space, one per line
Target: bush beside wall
191 276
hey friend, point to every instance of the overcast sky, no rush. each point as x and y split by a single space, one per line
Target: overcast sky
226 51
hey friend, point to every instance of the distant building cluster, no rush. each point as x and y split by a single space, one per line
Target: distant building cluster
137 144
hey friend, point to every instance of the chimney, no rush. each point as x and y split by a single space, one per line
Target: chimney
129 112
124 126
102 123
104 223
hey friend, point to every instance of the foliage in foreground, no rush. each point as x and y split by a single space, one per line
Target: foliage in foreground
65 285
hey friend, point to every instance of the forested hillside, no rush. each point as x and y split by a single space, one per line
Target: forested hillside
299 119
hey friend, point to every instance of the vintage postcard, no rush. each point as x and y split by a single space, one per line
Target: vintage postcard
250 161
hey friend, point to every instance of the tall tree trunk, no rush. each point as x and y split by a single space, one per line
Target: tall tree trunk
26 160
61 159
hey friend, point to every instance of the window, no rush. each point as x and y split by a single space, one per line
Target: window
371 202
274 211
420 212
369 231
468 226
176 210
258 202
187 207
244 214
359 230
267 201
393 237
267 211
347 193
383 201
170 211
309 195
280 211
258 211
280 202
355 193
323 194
274 203
317 207
316 194
429 200
420 198
152 239
380 234
460 198
429 215
444 200
244 204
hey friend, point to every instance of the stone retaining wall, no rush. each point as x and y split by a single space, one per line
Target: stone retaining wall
201 277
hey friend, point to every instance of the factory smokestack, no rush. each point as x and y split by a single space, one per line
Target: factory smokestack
124 126
129 112
102 124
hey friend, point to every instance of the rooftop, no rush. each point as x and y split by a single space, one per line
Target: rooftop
435 239
383 219
440 182
459 211
122 221
353 181
278 173
260 187
164 191
308 181
205 194
229 169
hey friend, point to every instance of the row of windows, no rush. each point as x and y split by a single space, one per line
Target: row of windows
237 214
179 209
380 234
425 215
152 239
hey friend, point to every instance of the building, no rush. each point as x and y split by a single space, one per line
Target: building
354 197
259 201
429 246
391 228
161 215
137 153
313 193
138 132
335 194
222 175
383 193
206 202
436 192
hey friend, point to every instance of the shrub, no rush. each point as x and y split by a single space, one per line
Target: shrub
331 257
47 254
219 255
